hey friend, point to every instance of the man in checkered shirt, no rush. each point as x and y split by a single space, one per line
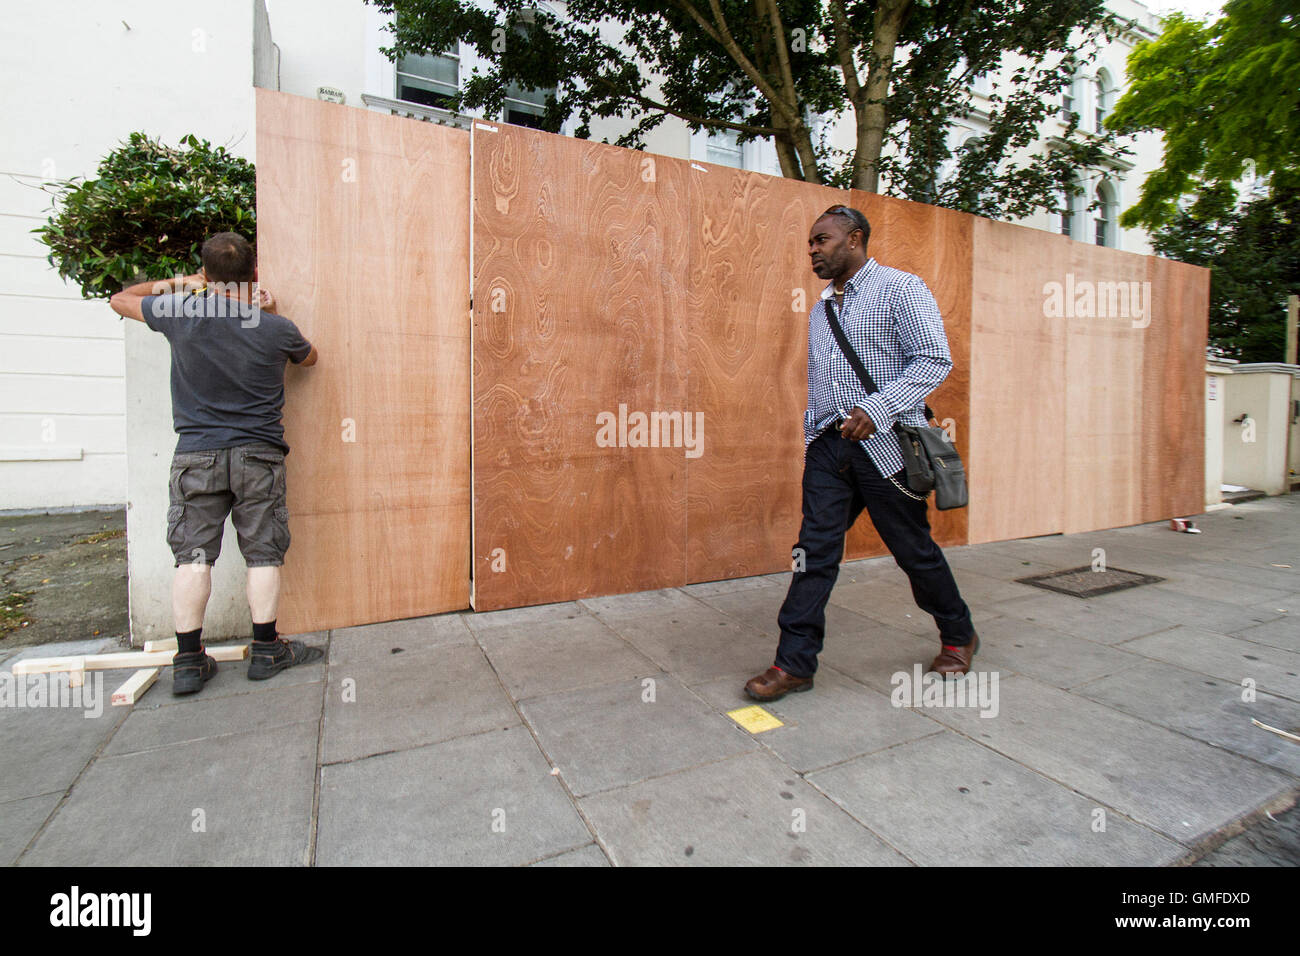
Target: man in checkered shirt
851 454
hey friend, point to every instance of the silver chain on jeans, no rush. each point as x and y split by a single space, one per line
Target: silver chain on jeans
907 491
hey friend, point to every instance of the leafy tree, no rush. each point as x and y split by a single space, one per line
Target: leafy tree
766 68
1253 249
146 213
1226 95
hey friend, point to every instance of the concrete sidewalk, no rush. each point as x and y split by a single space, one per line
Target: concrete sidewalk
595 732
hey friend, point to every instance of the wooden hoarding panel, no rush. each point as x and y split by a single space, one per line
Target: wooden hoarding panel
1016 466
363 236
751 286
580 255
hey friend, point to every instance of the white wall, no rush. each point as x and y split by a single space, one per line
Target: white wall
77 79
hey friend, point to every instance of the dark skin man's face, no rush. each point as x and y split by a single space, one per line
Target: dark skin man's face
835 248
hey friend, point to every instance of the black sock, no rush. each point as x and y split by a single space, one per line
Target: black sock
264 632
189 642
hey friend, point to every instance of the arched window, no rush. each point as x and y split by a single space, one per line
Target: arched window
1069 98
1064 213
1105 93
1105 215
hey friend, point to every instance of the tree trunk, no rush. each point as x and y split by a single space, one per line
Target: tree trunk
871 118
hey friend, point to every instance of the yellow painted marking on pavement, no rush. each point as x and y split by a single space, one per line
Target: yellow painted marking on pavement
754 719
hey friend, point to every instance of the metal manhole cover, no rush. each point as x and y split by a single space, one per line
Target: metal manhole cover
1084 582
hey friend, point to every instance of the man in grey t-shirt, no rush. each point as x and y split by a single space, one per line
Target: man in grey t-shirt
227 384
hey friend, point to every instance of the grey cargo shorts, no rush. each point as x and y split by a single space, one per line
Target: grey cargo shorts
246 482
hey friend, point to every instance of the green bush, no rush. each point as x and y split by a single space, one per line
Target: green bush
147 212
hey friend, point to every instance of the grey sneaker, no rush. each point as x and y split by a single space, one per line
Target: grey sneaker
191 671
271 657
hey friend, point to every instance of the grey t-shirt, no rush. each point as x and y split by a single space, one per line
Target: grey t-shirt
227 368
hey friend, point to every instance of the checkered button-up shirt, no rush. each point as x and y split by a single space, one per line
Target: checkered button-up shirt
893 323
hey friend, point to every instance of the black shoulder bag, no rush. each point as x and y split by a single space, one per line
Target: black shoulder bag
932 463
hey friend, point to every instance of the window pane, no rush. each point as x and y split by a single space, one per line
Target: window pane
441 69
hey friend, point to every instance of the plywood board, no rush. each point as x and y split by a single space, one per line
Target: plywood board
934 244
750 289
1173 391
580 252
1016 464
363 229
1105 417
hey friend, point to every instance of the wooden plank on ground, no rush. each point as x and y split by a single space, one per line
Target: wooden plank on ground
125 659
135 687
363 235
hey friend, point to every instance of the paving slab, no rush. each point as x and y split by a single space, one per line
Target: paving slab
838 719
750 810
1014 645
1157 601
736 584
19 821
892 604
380 704
589 855
254 791
699 643
45 748
611 735
945 800
516 616
195 717
1273 670
1181 787
622 608
561 655
484 800
1205 708
1205 584
1083 617
397 637
232 676
875 657
1283 633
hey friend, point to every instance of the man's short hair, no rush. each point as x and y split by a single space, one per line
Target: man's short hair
854 218
229 257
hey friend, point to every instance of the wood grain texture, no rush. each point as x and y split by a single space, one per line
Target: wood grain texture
1173 395
934 244
1105 421
1017 384
363 236
580 253
748 297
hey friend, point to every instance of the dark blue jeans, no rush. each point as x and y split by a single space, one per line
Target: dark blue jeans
839 480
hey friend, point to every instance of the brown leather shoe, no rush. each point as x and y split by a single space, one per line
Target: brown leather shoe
954 661
774 683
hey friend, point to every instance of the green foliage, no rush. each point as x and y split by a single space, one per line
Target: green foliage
763 68
1253 249
1227 97
147 212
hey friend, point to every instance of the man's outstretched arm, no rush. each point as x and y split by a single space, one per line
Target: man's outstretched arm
127 302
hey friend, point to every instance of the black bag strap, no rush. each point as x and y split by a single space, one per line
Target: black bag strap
859 369
842 341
